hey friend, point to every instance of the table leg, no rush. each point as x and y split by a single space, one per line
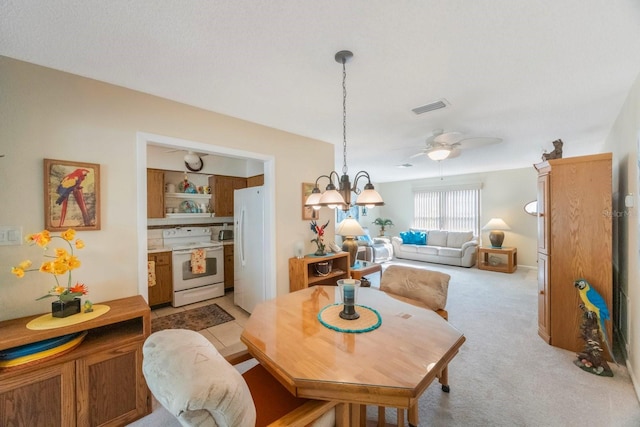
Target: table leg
342 415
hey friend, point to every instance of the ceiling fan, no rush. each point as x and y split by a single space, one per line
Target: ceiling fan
447 145
192 160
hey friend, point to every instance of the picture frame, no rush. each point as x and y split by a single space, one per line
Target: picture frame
307 212
71 195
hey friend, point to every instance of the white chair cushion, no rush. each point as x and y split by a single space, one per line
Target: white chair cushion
427 286
188 376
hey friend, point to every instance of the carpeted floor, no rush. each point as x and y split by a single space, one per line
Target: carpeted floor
505 374
195 319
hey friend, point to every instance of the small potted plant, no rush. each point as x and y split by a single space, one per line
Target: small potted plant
383 222
67 301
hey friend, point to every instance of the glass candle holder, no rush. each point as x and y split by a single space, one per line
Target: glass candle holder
348 289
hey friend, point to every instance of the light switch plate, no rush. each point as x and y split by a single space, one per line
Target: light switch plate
10 235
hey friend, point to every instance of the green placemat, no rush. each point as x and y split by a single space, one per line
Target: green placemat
369 319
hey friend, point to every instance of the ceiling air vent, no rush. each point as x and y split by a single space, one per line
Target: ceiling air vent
432 106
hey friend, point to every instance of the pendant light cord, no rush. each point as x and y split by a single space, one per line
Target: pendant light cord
344 116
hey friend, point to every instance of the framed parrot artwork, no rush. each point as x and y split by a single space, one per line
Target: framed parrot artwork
307 212
71 195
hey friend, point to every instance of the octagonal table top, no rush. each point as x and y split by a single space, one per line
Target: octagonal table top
390 366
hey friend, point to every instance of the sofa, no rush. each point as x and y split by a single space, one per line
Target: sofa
437 246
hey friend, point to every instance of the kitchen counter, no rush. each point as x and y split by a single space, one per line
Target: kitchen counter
155 250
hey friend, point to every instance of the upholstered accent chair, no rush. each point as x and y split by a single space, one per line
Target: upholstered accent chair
198 386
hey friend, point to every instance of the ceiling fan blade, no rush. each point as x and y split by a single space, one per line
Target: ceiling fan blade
454 153
476 142
422 153
448 138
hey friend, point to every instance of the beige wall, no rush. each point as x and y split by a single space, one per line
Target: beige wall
623 142
55 115
504 195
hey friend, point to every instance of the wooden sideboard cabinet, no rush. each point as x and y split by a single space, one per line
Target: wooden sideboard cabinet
302 271
98 383
162 292
574 241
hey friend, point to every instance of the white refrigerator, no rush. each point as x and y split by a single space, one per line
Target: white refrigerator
249 287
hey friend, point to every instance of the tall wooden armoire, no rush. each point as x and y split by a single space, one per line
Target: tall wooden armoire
574 241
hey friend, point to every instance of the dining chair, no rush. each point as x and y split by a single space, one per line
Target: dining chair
200 387
428 289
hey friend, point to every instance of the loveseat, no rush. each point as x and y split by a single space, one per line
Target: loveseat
438 246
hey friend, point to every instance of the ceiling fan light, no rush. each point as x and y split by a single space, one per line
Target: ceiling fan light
439 153
191 158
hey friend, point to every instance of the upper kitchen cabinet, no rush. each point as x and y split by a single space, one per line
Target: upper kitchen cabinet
222 187
155 193
255 181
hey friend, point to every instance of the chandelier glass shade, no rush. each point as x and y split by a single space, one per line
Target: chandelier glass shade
338 192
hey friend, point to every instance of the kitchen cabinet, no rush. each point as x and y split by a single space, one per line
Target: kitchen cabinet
303 272
155 193
228 266
255 181
222 187
162 292
99 382
574 241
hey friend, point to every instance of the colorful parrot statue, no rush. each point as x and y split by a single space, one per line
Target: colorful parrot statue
594 303
71 184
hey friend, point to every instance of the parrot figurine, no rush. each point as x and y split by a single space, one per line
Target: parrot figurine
72 184
594 303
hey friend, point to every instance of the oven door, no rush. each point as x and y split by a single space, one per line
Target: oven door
184 279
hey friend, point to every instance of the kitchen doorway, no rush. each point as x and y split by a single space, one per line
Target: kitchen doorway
145 139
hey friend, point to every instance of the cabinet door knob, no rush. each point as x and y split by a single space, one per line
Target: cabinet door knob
541 292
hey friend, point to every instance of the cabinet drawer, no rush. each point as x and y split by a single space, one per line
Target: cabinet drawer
163 258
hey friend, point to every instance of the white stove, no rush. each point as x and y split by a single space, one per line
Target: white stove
190 287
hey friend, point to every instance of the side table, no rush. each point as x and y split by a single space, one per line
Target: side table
364 268
493 259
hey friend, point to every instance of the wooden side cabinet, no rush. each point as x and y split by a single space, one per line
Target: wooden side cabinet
228 266
574 241
303 271
155 193
98 383
162 292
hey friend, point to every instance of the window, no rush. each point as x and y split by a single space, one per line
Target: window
451 209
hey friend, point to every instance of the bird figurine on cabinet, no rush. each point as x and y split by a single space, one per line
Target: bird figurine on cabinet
556 153
593 327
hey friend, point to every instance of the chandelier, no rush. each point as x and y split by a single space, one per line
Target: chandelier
338 191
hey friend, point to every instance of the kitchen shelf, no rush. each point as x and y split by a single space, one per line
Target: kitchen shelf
192 196
190 215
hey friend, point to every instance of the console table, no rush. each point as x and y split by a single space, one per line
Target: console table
99 382
504 266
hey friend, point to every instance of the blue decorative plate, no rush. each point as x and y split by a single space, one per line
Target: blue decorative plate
188 206
36 347
187 187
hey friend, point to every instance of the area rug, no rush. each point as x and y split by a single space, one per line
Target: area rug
195 319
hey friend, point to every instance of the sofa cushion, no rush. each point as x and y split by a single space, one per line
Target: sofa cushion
409 248
413 237
427 250
427 286
455 239
452 252
437 238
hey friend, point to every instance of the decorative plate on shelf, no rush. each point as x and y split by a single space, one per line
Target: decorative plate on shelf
187 187
188 206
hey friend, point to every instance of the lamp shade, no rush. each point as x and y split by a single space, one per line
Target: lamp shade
496 224
314 198
331 198
369 198
496 236
350 227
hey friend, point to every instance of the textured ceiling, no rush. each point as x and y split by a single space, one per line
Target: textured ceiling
527 72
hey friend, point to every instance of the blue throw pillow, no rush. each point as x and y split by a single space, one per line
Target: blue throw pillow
420 238
406 237
365 238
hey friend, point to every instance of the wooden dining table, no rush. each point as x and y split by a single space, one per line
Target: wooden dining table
390 365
